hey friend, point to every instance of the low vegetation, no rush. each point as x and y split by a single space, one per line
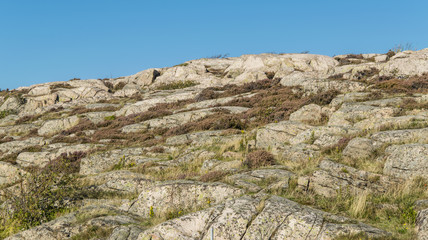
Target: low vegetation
176 85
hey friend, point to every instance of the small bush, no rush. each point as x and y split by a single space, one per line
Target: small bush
213 176
42 194
6 113
206 94
415 84
177 85
258 159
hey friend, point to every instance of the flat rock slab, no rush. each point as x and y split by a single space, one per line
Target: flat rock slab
180 195
335 177
254 218
179 119
408 160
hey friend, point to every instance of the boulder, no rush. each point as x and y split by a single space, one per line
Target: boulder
307 114
276 135
407 160
180 195
422 224
102 161
360 148
52 127
254 218
9 173
333 178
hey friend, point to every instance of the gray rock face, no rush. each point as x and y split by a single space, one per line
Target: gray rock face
12 103
77 223
254 218
422 224
311 113
360 148
276 135
27 159
178 119
100 162
18 146
408 160
402 136
180 195
9 173
350 113
151 101
334 177
52 127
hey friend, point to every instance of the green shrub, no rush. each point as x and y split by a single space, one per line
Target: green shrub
177 85
40 197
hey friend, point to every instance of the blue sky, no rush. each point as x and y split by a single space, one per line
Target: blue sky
55 40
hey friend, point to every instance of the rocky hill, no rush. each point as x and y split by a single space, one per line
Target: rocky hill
269 146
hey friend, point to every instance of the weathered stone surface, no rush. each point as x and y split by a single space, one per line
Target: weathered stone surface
351 113
36 103
217 101
278 134
312 134
408 160
102 161
308 114
360 148
128 90
180 195
9 173
77 223
300 152
408 121
402 136
422 224
254 218
327 141
18 146
56 126
335 177
249 180
151 101
12 103
40 90
21 129
407 63
98 117
225 166
179 119
121 181
27 159
203 138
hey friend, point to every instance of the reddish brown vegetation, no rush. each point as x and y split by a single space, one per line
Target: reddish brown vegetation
415 84
258 159
213 176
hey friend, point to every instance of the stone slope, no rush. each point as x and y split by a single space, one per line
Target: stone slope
269 146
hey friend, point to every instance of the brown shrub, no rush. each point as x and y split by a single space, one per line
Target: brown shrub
28 118
258 159
71 161
415 84
217 121
213 176
343 142
157 149
207 94
323 98
84 124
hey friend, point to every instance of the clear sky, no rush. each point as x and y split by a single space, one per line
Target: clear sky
56 40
